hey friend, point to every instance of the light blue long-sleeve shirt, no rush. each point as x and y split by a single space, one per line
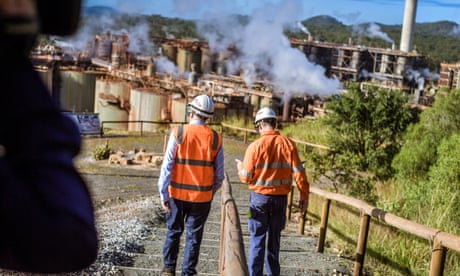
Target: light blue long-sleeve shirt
168 164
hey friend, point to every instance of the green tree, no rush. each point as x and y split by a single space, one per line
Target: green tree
428 171
366 129
420 149
444 177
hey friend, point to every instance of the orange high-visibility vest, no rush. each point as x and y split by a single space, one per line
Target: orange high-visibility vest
193 172
270 163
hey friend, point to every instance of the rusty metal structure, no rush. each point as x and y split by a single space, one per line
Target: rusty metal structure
194 69
449 75
359 63
109 59
114 66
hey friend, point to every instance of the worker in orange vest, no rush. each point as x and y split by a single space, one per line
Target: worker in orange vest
269 165
192 171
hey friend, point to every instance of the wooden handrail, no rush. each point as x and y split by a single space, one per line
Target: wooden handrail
310 144
142 122
441 240
232 257
246 130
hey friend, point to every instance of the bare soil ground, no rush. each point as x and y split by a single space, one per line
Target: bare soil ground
112 183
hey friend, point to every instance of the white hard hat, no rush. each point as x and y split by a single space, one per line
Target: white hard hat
265 113
203 106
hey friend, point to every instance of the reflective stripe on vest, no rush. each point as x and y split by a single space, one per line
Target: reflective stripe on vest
274 166
273 169
193 172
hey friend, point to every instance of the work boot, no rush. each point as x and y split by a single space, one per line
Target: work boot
168 272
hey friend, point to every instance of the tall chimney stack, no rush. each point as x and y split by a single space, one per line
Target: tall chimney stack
407 34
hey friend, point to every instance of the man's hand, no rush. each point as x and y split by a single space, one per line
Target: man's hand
238 164
303 205
166 206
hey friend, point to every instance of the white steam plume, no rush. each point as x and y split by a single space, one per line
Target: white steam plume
263 51
303 28
372 30
364 74
418 76
455 30
164 65
139 42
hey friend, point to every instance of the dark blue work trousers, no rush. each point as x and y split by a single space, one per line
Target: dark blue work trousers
267 218
193 216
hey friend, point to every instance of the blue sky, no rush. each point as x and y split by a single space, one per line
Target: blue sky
347 11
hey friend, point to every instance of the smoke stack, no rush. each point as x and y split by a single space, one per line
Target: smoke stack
350 41
407 35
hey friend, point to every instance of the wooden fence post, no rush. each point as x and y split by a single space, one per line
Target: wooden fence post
302 223
323 227
438 257
222 230
362 243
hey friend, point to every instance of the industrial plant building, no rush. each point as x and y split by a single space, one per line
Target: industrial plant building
126 87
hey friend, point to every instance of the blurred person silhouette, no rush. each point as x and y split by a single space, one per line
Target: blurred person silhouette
46 212
270 164
192 171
